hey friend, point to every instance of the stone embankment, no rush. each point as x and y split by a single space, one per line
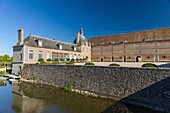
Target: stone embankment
147 87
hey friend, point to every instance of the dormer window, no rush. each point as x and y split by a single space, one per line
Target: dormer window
146 39
74 48
40 43
60 46
125 41
112 42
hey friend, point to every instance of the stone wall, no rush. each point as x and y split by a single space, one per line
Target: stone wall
149 85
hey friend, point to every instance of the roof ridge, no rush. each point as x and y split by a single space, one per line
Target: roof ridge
53 40
131 32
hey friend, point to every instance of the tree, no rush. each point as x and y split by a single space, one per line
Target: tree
6 57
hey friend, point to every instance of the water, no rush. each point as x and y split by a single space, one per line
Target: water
48 99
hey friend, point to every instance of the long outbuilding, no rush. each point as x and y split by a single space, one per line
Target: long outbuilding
146 46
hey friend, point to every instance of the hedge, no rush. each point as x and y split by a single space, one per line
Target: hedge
114 64
149 65
89 63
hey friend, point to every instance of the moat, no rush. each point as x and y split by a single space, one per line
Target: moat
37 98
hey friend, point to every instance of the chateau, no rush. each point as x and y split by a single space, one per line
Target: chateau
30 49
141 46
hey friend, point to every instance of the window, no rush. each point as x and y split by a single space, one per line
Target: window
60 46
156 58
148 57
74 48
61 55
31 54
40 43
70 56
20 56
48 55
78 56
20 69
54 56
66 56
75 56
164 57
40 54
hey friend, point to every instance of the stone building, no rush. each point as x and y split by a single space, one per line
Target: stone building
30 49
146 46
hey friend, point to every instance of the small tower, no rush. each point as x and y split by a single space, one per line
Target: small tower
77 38
81 31
20 36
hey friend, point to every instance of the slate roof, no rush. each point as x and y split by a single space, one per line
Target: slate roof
32 40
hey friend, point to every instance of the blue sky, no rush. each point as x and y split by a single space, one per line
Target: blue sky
61 19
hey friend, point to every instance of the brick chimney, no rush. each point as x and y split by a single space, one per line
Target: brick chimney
20 36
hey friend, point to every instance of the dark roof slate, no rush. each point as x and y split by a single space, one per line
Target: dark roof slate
32 40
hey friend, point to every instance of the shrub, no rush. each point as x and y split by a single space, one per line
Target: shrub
61 59
70 63
40 60
114 64
56 60
72 60
149 65
68 86
49 60
68 59
84 59
89 63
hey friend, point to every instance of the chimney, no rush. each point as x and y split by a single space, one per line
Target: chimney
77 38
20 36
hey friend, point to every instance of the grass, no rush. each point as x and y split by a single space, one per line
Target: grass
68 86
3 73
55 62
69 63
2 66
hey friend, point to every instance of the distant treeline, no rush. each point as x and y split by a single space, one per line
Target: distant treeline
5 59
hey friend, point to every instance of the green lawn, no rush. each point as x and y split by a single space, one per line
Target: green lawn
2 66
2 73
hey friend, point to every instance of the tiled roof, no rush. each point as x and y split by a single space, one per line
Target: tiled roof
140 36
32 40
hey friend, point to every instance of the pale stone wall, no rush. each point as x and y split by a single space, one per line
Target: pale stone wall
17 54
86 52
44 53
2 69
16 68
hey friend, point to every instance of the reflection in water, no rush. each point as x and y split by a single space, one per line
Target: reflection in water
55 99
37 98
2 83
